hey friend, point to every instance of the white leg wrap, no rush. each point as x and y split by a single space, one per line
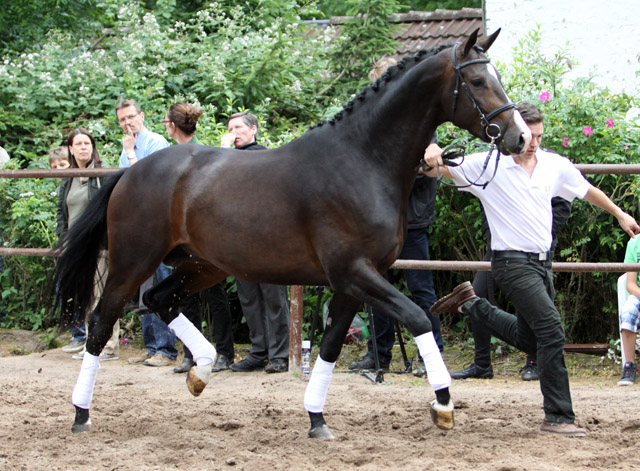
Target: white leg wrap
437 373
203 352
83 391
316 393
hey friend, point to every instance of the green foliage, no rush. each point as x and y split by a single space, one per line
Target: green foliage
24 22
364 39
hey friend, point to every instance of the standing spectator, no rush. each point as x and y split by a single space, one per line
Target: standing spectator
137 143
518 207
181 120
73 197
58 160
4 157
416 247
265 306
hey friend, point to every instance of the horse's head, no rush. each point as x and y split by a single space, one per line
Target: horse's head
477 101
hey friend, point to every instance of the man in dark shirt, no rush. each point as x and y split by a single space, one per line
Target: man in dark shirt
265 306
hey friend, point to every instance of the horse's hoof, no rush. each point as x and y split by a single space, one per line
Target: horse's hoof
321 432
198 378
78 428
442 415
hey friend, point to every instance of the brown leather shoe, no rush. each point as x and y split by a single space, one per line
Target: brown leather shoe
454 300
560 428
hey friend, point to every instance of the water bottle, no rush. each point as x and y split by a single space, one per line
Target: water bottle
306 356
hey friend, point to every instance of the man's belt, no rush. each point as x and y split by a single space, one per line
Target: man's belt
541 257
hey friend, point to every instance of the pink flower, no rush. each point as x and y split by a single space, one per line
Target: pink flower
124 341
544 96
626 147
610 122
587 131
565 142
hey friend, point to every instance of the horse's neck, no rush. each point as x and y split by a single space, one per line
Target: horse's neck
396 123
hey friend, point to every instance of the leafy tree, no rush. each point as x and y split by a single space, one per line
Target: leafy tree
364 39
26 22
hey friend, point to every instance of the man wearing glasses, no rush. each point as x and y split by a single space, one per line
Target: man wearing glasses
137 143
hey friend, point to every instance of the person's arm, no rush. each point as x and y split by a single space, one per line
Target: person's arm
596 197
632 283
433 158
128 144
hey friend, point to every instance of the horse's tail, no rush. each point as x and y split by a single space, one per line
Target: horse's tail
77 255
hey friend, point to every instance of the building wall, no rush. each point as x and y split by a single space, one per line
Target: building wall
603 36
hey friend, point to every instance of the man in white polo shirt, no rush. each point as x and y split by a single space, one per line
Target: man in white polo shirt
517 203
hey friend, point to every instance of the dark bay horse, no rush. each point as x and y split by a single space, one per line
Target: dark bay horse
326 209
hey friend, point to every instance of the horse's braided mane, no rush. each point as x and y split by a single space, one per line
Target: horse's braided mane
393 72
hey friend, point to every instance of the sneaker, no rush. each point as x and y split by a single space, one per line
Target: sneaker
453 301
139 359
222 363
368 363
108 356
628 374
474 371
73 347
277 365
158 360
530 371
246 366
560 428
103 356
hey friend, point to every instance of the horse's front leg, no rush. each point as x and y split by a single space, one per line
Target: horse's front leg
341 312
99 330
372 288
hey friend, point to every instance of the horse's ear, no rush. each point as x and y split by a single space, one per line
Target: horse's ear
470 42
485 42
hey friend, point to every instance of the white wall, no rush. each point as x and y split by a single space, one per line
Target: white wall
604 36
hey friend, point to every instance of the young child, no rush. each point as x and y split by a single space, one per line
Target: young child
59 158
630 315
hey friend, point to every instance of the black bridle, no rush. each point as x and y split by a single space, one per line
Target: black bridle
493 131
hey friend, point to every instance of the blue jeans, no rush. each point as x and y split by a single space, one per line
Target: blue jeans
155 333
423 293
78 333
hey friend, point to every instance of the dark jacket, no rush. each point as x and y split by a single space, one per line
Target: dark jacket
422 202
62 216
252 146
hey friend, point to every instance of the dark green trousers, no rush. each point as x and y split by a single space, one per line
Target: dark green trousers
537 328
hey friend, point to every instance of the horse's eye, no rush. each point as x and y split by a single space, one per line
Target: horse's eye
479 82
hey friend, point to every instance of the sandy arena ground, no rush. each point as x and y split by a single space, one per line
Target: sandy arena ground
145 419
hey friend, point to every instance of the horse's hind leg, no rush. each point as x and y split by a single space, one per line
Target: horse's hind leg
341 312
166 298
99 329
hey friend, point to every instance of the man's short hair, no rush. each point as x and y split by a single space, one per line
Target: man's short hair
530 113
124 102
59 153
247 118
